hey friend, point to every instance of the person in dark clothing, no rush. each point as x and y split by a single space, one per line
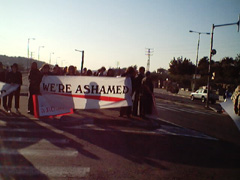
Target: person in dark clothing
3 74
14 77
35 78
129 73
147 95
45 70
71 71
110 72
138 87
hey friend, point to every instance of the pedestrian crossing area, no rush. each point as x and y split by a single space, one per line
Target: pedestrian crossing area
34 149
29 151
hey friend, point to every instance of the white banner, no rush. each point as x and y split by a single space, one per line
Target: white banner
6 88
62 93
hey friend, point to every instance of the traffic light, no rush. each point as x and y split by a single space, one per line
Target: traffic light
213 75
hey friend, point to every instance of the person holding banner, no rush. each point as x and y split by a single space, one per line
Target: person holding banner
138 92
14 77
71 71
3 73
45 70
147 95
131 74
35 78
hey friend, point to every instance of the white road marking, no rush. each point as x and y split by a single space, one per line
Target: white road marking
163 130
39 152
177 131
33 140
51 171
178 109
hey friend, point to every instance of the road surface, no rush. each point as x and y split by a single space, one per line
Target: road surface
185 141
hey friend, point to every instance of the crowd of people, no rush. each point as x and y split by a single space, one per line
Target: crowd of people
12 76
142 93
142 86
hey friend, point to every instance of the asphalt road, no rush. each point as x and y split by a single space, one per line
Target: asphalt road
185 141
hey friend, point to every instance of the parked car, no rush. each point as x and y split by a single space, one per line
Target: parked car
202 95
173 87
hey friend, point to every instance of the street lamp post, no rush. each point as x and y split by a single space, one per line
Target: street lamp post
82 59
199 33
50 57
57 59
39 52
31 59
211 54
62 63
28 49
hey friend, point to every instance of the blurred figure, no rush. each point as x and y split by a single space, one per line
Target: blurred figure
130 72
71 71
89 73
147 95
95 73
138 86
110 73
45 70
65 70
77 73
102 71
3 74
35 78
84 73
56 70
227 94
14 77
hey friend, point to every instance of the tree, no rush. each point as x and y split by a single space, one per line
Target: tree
181 71
228 70
181 67
203 66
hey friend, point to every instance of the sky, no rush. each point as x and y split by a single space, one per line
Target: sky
117 32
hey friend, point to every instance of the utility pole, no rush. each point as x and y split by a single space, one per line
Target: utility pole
28 49
195 76
50 58
82 51
31 60
39 51
149 53
212 52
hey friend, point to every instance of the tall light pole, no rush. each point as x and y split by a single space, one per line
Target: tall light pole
82 51
39 51
50 57
62 63
57 59
212 53
31 59
199 33
28 49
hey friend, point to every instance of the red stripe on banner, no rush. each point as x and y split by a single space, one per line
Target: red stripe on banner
102 98
52 116
35 106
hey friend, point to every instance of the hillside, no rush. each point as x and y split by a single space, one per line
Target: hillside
23 63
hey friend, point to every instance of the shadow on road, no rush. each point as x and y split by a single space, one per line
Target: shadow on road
18 132
152 149
13 164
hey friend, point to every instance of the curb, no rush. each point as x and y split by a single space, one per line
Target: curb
215 110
